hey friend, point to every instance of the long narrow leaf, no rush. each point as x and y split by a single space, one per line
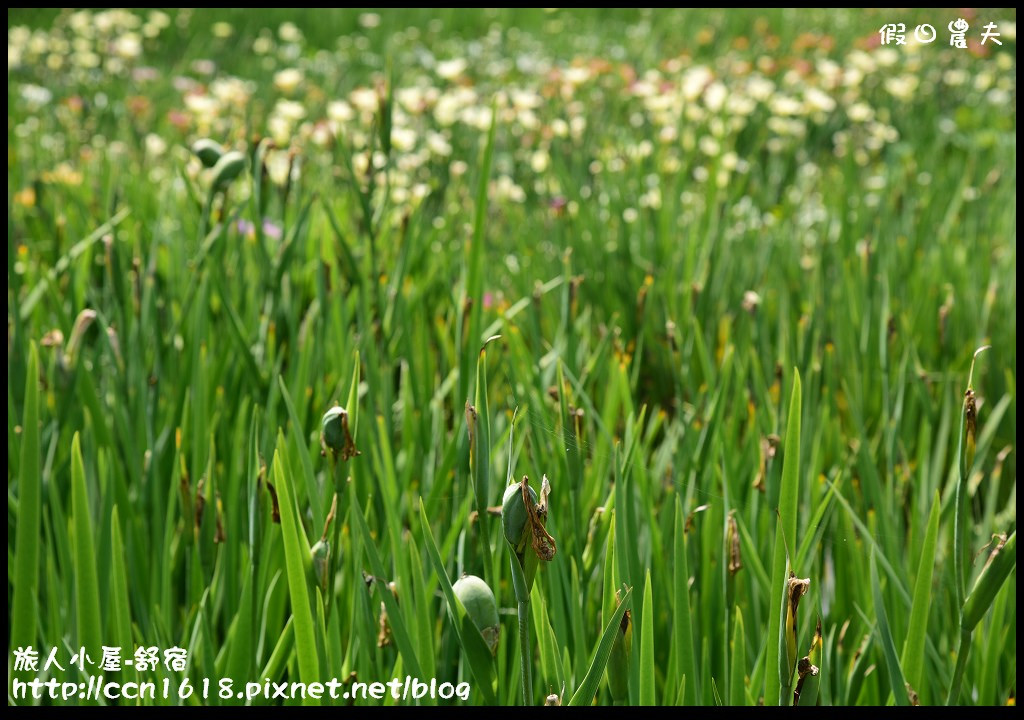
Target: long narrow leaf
584 695
785 532
24 608
298 581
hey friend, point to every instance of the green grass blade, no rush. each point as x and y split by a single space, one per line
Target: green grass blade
1001 562
395 614
647 671
282 651
120 609
87 593
682 626
302 444
298 580
913 648
585 693
25 606
892 663
785 532
475 260
480 447
738 662
481 663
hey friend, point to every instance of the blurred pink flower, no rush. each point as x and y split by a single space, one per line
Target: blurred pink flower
271 229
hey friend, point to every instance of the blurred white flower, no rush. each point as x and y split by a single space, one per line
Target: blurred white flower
576 75
290 110
201 105
35 96
694 81
576 126
784 105
278 165
403 139
860 112
740 105
412 99
818 101
477 116
886 56
998 96
709 146
539 161
365 100
340 111
983 80
451 69
902 87
86 60
128 46
159 19
289 32
155 145
525 99
714 96
504 188
262 45
231 91
288 80
438 144
280 129
651 199
369 20
862 61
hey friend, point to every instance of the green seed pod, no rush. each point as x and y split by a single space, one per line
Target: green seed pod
971 422
477 598
732 544
515 517
228 167
208 151
321 553
335 435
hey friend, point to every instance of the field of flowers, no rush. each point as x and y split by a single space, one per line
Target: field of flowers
297 298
